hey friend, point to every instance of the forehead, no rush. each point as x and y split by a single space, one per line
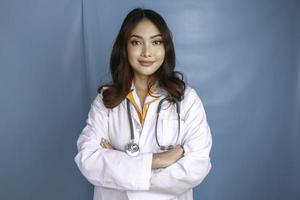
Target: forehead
145 28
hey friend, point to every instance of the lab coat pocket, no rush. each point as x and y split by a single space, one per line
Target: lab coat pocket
170 133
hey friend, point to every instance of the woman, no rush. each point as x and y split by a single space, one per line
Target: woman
130 150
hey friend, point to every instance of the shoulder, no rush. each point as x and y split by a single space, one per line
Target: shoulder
191 101
190 94
98 102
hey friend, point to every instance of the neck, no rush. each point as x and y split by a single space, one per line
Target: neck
141 82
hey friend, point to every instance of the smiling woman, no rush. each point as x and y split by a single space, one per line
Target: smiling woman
146 135
146 52
143 51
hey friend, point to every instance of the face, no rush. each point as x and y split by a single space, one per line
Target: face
145 49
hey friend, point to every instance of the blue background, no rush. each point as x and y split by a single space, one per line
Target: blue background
241 56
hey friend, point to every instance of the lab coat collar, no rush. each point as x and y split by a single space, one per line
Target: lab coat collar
155 91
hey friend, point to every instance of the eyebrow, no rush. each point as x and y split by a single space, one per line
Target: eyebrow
153 36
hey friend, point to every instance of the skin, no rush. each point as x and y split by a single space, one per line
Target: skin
145 44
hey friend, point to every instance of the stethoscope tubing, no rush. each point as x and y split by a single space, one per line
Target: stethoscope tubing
157 118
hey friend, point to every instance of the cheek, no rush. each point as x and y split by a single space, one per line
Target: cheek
132 54
160 54
133 51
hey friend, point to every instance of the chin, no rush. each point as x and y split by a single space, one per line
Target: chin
145 73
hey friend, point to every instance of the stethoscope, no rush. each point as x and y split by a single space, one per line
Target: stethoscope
132 148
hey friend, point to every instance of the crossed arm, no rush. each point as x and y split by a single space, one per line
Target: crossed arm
104 167
159 160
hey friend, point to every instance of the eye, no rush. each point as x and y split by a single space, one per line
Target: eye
135 42
157 42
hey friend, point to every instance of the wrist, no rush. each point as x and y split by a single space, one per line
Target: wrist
156 161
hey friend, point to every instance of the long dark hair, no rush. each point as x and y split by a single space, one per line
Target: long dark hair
121 71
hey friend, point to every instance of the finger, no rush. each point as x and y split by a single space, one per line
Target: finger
102 144
108 145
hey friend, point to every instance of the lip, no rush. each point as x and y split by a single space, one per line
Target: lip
146 63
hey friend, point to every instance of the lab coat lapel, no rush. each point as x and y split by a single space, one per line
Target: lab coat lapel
141 133
146 141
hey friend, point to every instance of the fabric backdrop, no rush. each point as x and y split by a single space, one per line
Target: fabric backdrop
241 56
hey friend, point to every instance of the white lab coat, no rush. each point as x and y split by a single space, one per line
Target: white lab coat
117 176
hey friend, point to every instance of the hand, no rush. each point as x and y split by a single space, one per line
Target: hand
106 144
159 160
167 158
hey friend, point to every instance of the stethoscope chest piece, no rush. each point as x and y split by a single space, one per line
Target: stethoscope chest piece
132 149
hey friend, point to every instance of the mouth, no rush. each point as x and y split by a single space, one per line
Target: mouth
146 63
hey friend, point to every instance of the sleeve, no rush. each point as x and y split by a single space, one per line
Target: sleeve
105 167
191 169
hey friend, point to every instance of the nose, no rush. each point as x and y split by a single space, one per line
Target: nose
146 51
